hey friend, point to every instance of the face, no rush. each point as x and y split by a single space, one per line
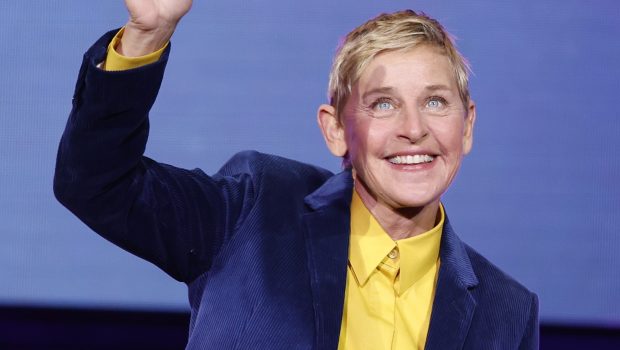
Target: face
405 128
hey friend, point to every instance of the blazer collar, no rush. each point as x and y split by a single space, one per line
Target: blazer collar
454 305
336 191
327 226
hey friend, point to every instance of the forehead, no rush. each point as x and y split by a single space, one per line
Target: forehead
413 68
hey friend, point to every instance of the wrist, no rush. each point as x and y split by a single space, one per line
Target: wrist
136 41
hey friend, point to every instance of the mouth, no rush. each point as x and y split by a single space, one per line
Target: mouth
411 159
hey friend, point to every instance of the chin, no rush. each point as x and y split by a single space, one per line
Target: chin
416 203
413 200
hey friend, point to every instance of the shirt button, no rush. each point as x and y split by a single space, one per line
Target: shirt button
393 254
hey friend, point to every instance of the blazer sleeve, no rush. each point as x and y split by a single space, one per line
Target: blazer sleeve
530 339
175 218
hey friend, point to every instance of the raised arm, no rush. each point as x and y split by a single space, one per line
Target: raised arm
177 219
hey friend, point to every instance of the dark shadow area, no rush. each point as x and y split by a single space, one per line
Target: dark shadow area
575 337
57 328
50 328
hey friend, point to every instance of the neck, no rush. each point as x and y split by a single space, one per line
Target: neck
400 223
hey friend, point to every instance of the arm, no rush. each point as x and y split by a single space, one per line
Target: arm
175 218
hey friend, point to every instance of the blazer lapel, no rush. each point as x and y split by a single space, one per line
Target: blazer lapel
327 245
454 306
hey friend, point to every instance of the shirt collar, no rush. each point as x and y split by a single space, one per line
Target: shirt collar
370 245
419 254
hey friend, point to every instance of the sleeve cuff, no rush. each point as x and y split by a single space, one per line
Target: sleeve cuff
117 62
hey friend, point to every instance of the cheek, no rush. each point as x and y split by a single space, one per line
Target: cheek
359 140
450 138
379 135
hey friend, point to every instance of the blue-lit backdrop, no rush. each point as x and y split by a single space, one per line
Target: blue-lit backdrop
538 195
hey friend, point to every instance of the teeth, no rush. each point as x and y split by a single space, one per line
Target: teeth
415 159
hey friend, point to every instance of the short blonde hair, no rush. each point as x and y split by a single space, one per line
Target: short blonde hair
390 32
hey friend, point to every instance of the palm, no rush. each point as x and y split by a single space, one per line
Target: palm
152 14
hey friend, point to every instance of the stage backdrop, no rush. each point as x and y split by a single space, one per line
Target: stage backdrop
538 195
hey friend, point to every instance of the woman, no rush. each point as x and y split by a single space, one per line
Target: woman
281 254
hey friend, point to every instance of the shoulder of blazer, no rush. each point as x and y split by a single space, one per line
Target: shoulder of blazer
492 277
267 170
501 299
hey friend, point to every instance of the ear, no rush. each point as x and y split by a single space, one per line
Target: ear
468 132
332 129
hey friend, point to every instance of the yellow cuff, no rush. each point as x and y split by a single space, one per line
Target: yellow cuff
115 61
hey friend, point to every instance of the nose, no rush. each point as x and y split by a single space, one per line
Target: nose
413 127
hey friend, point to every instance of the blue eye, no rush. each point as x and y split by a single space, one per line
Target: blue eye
384 105
435 103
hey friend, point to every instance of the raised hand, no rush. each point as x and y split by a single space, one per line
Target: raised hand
151 24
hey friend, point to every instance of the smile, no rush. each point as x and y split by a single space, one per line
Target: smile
411 159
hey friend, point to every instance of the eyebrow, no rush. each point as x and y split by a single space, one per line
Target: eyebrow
437 87
384 89
389 89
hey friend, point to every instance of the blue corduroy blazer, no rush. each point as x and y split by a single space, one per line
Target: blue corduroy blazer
263 243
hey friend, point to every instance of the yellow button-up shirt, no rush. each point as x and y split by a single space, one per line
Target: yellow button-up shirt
390 285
